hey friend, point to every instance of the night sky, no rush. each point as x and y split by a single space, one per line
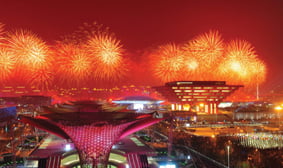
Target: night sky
144 24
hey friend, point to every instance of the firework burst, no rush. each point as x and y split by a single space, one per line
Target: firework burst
240 59
107 53
257 70
168 62
42 77
207 47
30 54
191 68
74 64
29 50
7 64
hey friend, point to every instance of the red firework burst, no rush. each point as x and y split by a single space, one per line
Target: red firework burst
74 64
107 53
167 62
29 50
30 53
207 48
241 64
7 64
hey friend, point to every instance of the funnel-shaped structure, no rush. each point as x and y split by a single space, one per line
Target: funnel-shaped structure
93 128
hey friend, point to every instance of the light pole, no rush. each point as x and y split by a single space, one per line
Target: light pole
228 159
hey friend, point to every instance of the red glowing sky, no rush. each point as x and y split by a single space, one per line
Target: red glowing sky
146 23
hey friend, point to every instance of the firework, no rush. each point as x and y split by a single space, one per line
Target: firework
74 64
234 70
167 62
7 64
29 50
30 53
240 49
206 48
192 67
257 70
83 33
240 61
93 54
42 76
1 33
107 53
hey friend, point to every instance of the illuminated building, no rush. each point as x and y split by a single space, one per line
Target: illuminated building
93 128
139 103
198 96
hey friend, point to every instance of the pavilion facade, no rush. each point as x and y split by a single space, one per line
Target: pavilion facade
197 96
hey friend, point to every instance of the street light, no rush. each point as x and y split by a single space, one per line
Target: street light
228 159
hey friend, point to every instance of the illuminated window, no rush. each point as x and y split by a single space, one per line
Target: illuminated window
206 94
177 91
196 87
138 107
186 107
199 90
172 106
200 100
174 87
207 87
214 90
200 97
225 90
187 97
183 99
187 90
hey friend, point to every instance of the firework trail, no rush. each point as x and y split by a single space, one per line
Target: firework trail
42 76
2 32
83 33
